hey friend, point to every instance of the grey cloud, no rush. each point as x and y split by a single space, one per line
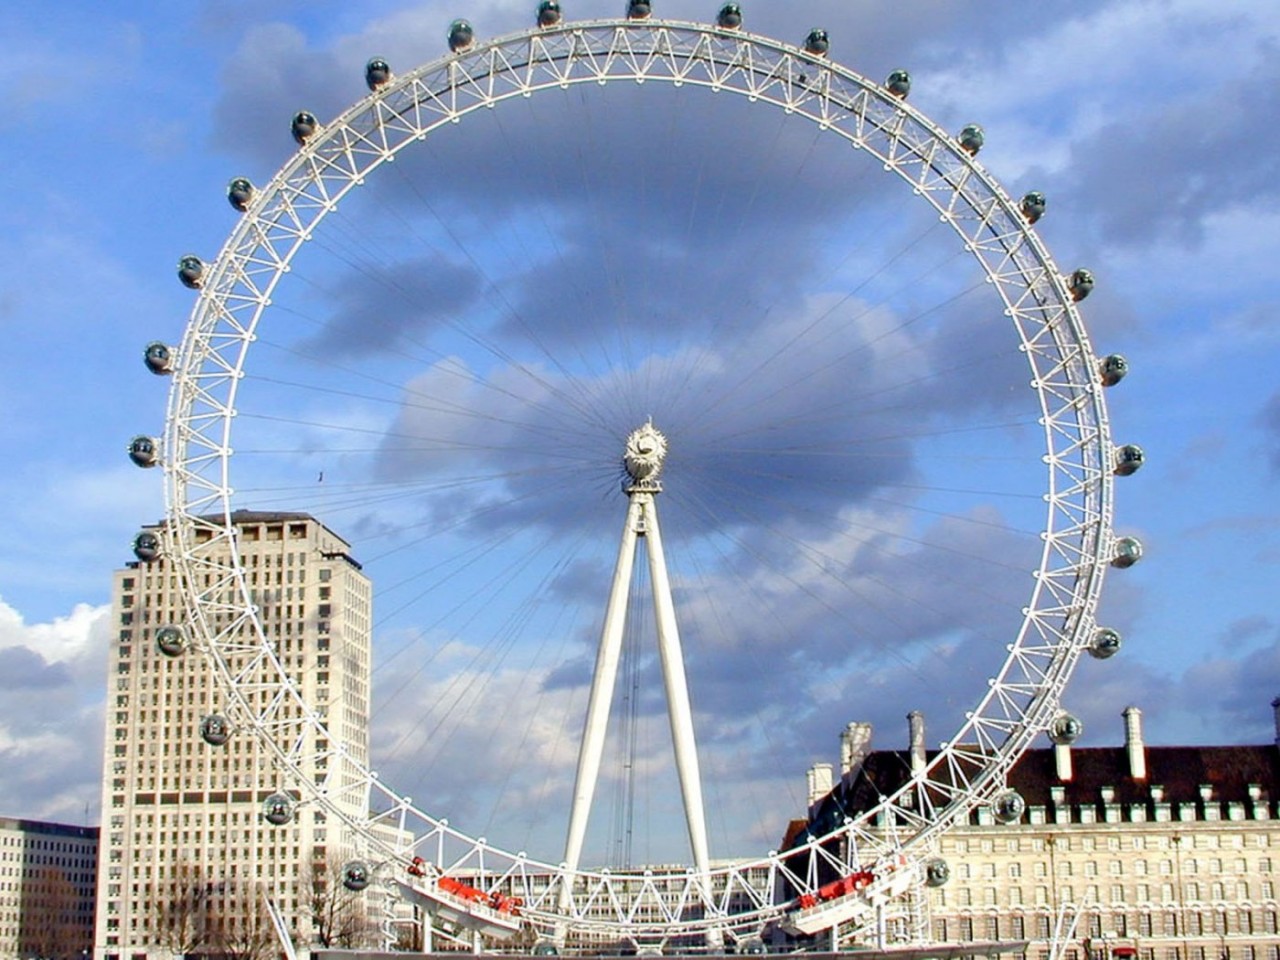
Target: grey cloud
397 305
1233 694
1161 176
24 669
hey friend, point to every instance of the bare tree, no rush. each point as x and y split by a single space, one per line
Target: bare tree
243 929
339 917
50 924
182 909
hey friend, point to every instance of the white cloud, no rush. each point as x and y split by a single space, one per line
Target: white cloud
1122 62
65 640
51 721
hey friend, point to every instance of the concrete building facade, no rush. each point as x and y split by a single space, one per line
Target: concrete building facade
186 852
47 883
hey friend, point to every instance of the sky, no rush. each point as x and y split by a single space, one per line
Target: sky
770 300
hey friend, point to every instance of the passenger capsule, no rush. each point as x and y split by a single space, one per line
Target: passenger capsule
1065 729
240 193
1080 284
899 84
143 451
1126 552
817 42
461 36
1105 643
971 139
1007 806
548 13
304 126
936 872
146 546
214 730
729 17
191 271
355 875
277 809
1111 369
1033 205
171 641
158 357
377 73
1129 459
546 948
638 9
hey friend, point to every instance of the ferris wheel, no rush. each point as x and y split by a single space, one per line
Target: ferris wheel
476 379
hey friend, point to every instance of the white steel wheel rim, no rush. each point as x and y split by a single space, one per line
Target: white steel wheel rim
1058 621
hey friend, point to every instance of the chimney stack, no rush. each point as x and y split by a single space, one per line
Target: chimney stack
915 729
820 783
1062 760
1275 708
855 744
1133 743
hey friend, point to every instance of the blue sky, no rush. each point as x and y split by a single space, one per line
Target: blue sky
1151 126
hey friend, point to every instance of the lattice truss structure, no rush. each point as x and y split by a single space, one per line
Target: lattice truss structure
236 289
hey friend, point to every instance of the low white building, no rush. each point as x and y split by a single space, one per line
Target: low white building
47 880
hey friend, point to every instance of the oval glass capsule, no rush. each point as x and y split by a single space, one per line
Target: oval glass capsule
377 73
1007 806
936 872
1129 460
548 13
1105 643
729 17
240 193
898 83
1126 552
277 809
144 451
355 875
1033 206
191 271
303 126
146 546
1080 284
461 35
1112 369
158 357
215 730
1065 729
971 139
171 641
817 42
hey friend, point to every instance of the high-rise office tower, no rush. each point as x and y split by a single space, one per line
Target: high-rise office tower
186 854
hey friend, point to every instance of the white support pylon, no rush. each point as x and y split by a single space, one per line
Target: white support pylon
646 448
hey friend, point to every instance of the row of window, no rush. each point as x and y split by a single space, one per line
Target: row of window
1064 842
1117 868
1217 892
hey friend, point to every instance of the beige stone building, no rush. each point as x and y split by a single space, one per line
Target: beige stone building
186 853
1161 853
47 875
